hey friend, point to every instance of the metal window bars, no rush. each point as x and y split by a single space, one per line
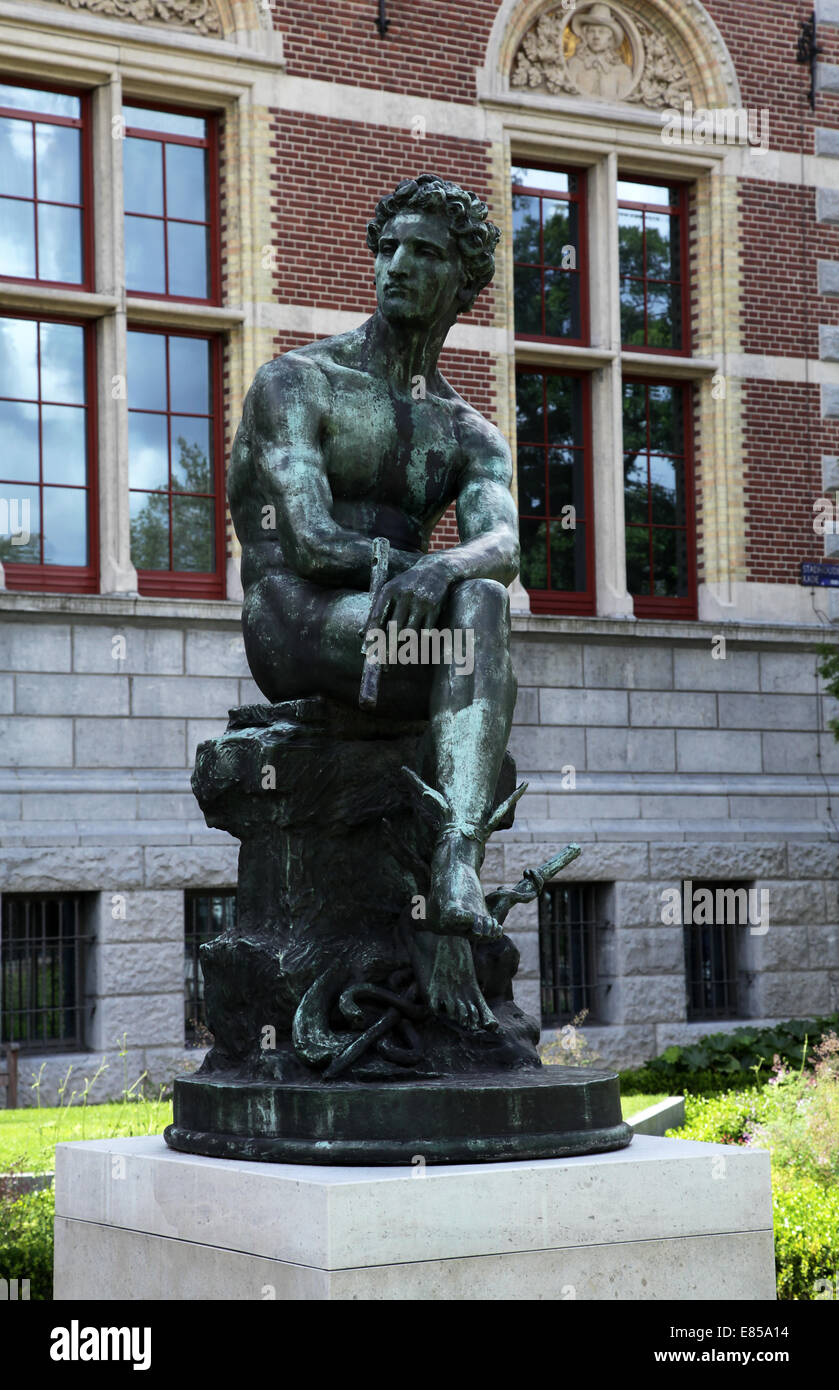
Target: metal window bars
711 963
42 963
568 952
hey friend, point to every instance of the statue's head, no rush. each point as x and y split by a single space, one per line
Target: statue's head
434 250
598 28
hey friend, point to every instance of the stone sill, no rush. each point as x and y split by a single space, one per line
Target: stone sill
671 629
228 612
157 781
596 1032
164 311
84 303
128 833
642 833
688 784
638 363
639 835
123 606
598 121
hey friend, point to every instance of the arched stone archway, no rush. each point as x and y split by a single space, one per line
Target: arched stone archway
656 53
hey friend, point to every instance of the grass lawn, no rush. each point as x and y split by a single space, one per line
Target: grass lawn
632 1105
28 1137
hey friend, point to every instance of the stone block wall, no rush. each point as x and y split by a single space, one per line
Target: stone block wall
662 761
668 764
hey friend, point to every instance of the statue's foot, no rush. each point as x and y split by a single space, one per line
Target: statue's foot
445 972
457 906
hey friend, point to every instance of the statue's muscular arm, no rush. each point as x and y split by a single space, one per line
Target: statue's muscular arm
486 513
487 523
289 401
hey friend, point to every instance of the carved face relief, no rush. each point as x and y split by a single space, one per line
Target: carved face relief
602 51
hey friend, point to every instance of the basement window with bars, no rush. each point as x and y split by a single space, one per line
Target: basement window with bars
207 915
712 949
42 966
568 952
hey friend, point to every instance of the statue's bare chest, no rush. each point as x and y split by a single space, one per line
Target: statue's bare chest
380 446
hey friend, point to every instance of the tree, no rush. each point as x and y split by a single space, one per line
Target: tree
193 519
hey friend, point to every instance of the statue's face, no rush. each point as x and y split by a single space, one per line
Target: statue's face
599 37
418 269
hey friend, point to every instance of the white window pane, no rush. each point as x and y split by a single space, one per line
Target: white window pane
19 358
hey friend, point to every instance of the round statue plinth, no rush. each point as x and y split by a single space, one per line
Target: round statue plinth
326 1046
556 1112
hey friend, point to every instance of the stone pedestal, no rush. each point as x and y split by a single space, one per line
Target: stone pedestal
327 1049
663 1219
336 846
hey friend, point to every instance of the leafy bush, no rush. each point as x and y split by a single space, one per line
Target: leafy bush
828 669
806 1218
801 1125
741 1058
795 1115
26 1241
723 1119
699 1083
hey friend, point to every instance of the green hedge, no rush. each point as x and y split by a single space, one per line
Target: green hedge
720 1061
806 1220
805 1210
26 1241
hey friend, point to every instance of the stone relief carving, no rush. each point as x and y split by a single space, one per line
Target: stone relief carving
600 50
189 14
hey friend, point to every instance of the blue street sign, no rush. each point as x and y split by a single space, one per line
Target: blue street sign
820 574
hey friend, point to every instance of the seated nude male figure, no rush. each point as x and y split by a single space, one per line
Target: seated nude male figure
360 436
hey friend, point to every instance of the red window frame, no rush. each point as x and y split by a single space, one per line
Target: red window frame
191 583
84 125
678 209
68 579
581 269
573 602
211 143
651 605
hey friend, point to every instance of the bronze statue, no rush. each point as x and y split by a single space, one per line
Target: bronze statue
362 1008
361 436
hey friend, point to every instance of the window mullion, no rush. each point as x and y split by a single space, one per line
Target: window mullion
613 600
118 575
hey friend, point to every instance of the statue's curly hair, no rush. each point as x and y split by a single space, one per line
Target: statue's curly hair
467 218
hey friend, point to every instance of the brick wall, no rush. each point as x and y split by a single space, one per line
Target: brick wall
344 166
328 177
762 37
431 50
784 440
780 247
434 46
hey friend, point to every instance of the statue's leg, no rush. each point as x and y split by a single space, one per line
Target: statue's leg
471 717
302 639
470 727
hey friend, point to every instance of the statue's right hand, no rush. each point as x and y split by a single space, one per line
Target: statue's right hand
413 599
